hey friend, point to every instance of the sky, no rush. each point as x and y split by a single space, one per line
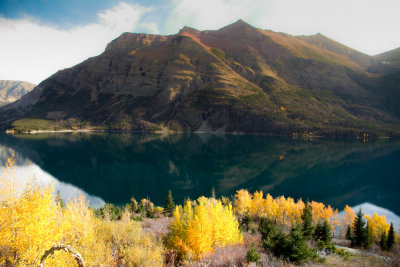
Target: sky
40 37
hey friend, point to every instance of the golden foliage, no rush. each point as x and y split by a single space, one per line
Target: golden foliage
201 226
31 222
30 225
378 225
283 210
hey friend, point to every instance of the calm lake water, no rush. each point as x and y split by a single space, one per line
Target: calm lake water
112 167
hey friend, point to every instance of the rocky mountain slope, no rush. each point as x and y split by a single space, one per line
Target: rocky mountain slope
391 57
236 79
11 91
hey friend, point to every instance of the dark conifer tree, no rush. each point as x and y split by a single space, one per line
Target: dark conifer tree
323 232
296 247
359 230
317 231
349 235
391 237
369 238
307 227
326 232
383 242
169 205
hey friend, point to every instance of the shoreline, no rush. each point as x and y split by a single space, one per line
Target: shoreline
294 135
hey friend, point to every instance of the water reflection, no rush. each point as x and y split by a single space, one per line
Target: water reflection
116 166
24 170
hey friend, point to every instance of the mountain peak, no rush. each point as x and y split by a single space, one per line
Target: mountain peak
240 23
239 26
188 30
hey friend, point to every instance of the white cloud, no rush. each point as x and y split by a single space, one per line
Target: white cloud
31 51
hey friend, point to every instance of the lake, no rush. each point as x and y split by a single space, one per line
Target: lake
111 167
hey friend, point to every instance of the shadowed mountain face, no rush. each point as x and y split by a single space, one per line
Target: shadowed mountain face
115 166
11 91
236 79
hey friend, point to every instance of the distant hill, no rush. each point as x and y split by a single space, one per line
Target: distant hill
235 79
11 91
391 57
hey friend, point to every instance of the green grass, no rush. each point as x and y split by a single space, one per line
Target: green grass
27 125
33 124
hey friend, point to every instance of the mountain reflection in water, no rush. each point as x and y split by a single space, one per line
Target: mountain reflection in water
113 167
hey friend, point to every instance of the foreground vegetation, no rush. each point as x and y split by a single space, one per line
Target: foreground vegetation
208 231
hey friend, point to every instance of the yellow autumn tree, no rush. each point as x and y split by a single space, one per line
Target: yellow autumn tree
31 222
29 219
242 201
378 225
347 220
348 216
31 225
199 227
285 211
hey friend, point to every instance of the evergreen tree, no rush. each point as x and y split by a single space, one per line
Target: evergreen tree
59 200
169 205
369 237
383 242
245 222
297 249
268 231
359 231
391 237
306 217
349 235
317 231
323 232
326 233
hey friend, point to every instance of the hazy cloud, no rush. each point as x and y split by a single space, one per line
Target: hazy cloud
31 51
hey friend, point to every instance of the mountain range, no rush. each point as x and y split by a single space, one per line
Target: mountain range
11 91
237 79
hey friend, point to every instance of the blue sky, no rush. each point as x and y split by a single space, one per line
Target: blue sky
39 37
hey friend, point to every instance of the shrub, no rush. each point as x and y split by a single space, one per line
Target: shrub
343 253
293 247
252 255
109 211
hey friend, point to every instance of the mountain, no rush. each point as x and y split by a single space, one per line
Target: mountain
391 57
11 91
235 79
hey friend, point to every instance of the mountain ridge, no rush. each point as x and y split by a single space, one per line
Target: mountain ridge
11 91
235 79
